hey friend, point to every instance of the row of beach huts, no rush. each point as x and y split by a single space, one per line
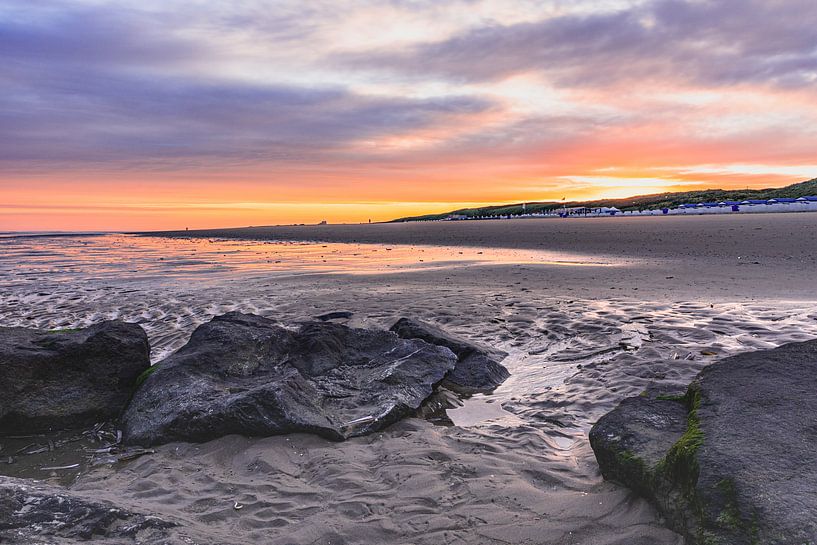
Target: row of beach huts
751 206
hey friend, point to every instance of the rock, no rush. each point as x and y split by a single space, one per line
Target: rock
54 380
33 512
733 461
248 375
337 315
635 437
477 369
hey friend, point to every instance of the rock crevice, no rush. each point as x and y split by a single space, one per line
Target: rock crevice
478 369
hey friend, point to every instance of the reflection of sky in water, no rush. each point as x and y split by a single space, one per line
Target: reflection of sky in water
123 257
169 286
570 359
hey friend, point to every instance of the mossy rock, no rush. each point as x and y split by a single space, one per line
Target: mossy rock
631 442
733 461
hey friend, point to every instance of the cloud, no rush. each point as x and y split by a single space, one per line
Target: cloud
95 86
375 96
85 35
96 116
699 42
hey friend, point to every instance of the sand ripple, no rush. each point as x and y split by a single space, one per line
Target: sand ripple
519 470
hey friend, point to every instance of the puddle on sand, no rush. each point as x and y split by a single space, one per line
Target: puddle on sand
480 410
27 261
56 457
60 457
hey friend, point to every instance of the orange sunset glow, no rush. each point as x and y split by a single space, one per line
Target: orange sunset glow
161 115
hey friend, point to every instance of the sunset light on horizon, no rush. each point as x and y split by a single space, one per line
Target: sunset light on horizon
192 114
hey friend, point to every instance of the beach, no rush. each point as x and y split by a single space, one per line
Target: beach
589 311
743 257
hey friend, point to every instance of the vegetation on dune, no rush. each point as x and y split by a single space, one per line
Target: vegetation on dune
641 202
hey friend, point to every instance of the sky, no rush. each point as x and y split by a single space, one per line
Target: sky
156 114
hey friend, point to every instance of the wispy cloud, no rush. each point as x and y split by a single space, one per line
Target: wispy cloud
698 42
420 100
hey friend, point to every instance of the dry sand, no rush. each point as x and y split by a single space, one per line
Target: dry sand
519 469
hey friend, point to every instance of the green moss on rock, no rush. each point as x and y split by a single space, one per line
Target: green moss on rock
680 463
667 397
730 514
144 376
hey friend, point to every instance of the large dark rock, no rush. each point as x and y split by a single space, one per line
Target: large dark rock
478 369
53 380
634 438
33 512
249 375
733 462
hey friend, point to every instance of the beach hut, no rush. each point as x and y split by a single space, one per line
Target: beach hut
734 205
807 199
753 202
782 200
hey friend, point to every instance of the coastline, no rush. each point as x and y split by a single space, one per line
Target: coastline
764 256
662 306
584 235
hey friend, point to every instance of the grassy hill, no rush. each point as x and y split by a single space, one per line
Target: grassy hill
641 202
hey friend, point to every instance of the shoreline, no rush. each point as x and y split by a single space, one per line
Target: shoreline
766 256
504 233
579 340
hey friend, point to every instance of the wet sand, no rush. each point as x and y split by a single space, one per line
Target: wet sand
583 329
752 256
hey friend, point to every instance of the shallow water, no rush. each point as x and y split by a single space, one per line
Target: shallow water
171 285
516 464
28 259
